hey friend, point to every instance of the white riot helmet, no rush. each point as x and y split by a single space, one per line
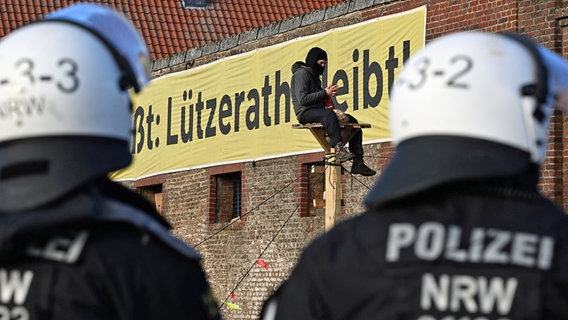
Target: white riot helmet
65 108
470 105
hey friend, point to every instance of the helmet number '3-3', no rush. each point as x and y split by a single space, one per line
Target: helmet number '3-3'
65 112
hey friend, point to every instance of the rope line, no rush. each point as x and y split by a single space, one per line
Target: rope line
316 180
260 256
356 179
273 238
246 213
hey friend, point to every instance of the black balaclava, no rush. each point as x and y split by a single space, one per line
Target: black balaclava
313 56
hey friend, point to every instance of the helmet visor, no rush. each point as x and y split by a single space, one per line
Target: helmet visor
557 69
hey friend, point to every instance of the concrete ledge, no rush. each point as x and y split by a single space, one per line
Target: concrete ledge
177 58
337 10
160 64
269 30
210 48
356 5
313 17
193 54
248 36
228 43
290 24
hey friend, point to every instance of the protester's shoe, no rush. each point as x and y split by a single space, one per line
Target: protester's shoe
359 167
341 154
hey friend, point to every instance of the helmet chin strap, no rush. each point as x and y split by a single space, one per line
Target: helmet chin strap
26 168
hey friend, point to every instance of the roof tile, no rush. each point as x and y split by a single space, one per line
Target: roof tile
169 28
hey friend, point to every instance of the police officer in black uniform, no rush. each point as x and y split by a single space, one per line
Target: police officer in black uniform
455 228
73 244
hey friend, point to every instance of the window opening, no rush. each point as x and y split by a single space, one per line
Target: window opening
195 4
228 197
316 189
153 193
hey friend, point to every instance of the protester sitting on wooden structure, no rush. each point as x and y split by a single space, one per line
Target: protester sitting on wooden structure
312 103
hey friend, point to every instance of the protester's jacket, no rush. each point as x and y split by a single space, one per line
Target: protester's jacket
306 89
441 256
94 257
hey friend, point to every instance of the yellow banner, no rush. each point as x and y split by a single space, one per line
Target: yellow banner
239 108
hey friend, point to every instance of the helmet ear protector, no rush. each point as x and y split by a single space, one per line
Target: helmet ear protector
539 89
551 90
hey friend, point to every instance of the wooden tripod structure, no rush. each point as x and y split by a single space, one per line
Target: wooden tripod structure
333 186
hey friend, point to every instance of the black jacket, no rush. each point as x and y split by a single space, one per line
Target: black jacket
306 89
95 257
438 256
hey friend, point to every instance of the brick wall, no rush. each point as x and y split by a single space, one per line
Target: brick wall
275 225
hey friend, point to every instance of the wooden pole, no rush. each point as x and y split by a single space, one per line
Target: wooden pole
333 192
